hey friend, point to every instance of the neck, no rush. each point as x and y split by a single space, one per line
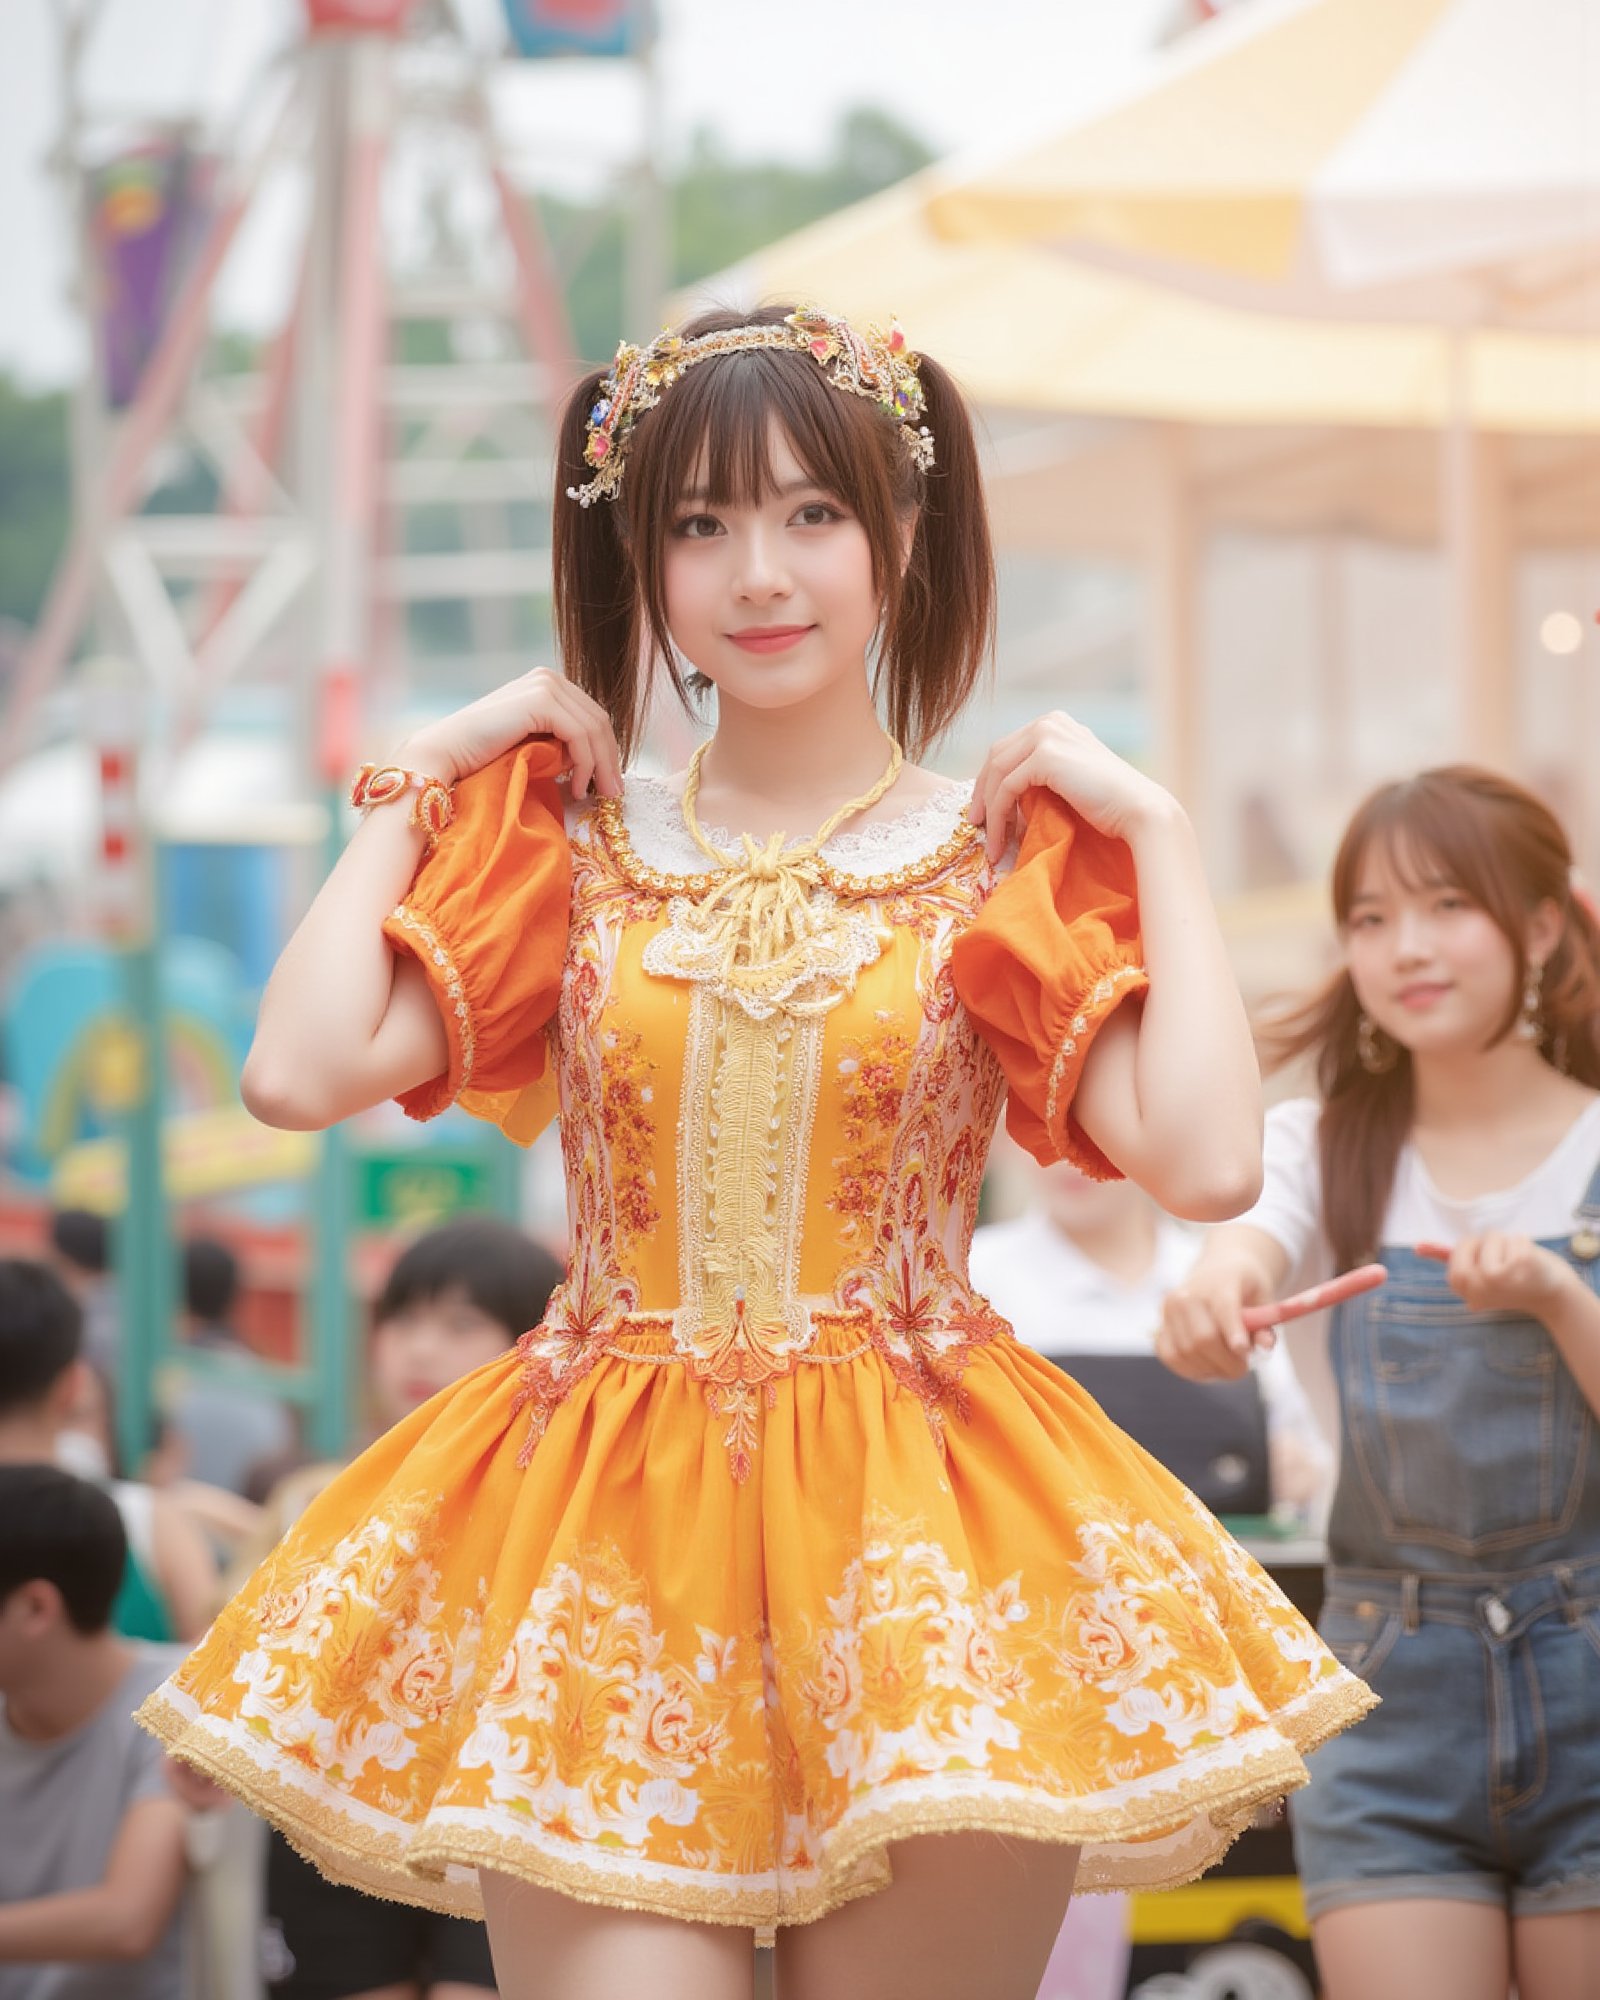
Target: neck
802 761
1123 1244
1480 1086
62 1692
27 1437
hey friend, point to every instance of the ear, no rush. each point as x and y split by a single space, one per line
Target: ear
1544 932
35 1609
71 1389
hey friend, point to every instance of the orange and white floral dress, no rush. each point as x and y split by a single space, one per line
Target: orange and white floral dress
770 1545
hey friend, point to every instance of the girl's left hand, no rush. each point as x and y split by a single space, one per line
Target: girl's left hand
1497 1272
1059 752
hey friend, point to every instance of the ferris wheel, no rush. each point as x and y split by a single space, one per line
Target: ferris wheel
366 500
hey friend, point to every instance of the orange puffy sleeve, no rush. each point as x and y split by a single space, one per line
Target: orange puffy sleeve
486 919
1052 954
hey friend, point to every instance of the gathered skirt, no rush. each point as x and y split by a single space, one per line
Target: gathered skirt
610 1668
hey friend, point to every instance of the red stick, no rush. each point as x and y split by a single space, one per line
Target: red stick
1363 1279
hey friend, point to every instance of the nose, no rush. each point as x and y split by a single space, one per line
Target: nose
761 574
1410 937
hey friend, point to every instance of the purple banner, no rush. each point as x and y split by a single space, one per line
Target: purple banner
575 27
149 208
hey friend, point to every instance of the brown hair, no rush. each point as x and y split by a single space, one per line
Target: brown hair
938 610
1507 852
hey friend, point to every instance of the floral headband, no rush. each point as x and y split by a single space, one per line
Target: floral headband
876 365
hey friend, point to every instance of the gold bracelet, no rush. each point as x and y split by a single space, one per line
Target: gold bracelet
380 784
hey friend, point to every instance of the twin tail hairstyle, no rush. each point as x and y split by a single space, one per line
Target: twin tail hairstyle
713 429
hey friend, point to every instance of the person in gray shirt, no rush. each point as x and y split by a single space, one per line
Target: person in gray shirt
93 1872
223 1433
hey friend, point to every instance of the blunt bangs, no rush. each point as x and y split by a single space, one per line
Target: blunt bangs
1441 828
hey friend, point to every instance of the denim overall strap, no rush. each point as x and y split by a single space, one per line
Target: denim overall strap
1467 1445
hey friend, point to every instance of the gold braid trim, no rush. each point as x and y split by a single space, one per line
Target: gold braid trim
892 882
1212 1809
1086 1018
445 978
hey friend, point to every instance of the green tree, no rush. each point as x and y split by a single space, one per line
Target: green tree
721 209
35 495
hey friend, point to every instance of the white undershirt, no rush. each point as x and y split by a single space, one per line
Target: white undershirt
1062 1302
1541 1204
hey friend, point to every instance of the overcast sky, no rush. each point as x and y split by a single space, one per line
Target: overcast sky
768 76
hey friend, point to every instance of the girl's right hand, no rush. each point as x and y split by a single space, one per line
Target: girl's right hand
541 703
1203 1335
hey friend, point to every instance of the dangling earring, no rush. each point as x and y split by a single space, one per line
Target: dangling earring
1530 1027
1377 1055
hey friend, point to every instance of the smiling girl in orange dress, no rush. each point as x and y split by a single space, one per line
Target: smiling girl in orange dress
770 1581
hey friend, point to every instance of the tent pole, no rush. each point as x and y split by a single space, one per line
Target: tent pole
1478 563
1175 642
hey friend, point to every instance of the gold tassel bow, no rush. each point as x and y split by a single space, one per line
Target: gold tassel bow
770 936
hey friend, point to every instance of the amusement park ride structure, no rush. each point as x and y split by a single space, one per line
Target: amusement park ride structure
322 456
302 579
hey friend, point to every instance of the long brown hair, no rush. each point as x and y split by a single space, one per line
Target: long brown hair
1507 853
938 609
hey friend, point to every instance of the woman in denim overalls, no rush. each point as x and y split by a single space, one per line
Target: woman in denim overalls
1450 1844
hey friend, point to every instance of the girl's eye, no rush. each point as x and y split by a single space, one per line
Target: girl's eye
697 527
817 514
1452 899
1366 921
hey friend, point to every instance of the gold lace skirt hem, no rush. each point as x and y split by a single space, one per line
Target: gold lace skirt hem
1158 1833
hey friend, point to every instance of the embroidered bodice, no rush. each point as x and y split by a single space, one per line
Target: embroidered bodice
760 1184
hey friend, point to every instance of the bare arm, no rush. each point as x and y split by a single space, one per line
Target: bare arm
121 1917
1170 1092
344 1022
184 1567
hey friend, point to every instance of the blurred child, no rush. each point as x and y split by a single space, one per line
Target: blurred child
51 1411
222 1432
1084 1271
92 1864
457 1297
1451 1844
80 1255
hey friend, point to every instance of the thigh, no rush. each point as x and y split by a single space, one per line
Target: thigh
1442 1948
551 1947
966 1913
1557 1956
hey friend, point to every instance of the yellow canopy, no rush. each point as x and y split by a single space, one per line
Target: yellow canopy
1212 165
1025 327
1417 161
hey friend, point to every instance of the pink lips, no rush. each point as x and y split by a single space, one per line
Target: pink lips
1418 997
769 638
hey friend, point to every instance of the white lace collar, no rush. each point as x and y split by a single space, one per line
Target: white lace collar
653 817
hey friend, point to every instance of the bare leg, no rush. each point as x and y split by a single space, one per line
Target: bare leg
549 1947
967 1915
457 1989
1557 1955
1434 1948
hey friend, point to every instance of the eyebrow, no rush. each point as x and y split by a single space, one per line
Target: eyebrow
700 495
